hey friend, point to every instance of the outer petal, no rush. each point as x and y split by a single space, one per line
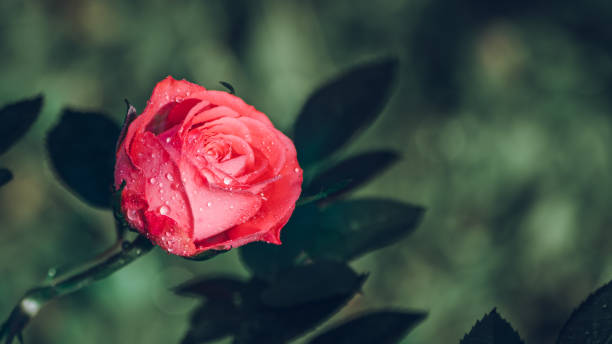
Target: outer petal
236 103
167 91
215 210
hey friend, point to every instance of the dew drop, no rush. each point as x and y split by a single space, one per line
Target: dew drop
227 181
168 139
297 170
131 214
52 272
209 204
231 206
163 210
178 99
152 180
169 177
201 209
263 196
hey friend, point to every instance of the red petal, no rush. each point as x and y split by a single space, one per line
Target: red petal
215 210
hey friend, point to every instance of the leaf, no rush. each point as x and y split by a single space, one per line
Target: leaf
349 229
16 119
206 255
383 327
340 109
5 176
266 260
263 324
211 287
591 322
351 173
492 329
312 282
213 320
82 151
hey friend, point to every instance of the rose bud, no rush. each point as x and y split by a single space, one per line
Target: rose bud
203 170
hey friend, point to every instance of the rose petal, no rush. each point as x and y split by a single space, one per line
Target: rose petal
163 188
166 91
236 103
215 210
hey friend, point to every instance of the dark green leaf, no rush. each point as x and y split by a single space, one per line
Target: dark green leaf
349 229
492 329
263 324
211 287
384 327
352 172
591 322
213 320
303 284
340 109
82 151
16 119
266 260
5 176
206 255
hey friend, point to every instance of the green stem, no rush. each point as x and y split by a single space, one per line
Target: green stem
36 298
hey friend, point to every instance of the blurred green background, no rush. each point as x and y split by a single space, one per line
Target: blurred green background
502 112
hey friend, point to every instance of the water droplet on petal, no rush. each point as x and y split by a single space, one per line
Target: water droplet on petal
163 210
263 196
227 181
169 177
152 180
297 170
201 209
231 206
168 139
209 204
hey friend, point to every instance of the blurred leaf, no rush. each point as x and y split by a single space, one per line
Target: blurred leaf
16 119
591 322
264 324
383 327
215 319
321 195
5 176
492 329
349 229
211 287
303 284
206 255
266 260
82 151
352 173
340 109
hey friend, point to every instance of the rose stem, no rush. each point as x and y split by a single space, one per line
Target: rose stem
35 299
